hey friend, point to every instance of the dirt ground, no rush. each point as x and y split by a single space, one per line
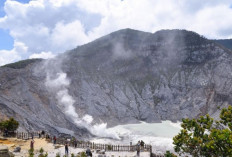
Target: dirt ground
25 145
52 151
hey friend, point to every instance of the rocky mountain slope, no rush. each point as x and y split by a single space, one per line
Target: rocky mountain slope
124 77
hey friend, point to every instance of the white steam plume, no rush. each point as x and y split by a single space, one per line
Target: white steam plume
60 85
119 52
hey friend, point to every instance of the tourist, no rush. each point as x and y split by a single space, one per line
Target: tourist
47 137
43 133
32 135
142 144
32 144
54 140
5 134
138 149
88 152
75 143
39 134
66 149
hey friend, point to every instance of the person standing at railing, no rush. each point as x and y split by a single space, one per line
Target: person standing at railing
138 149
5 133
32 144
39 133
66 149
75 143
43 133
54 140
32 135
142 144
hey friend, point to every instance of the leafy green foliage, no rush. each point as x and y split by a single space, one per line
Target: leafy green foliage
10 124
226 117
57 154
169 154
205 137
83 154
31 152
41 151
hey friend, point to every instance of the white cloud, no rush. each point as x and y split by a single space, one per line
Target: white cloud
59 25
8 56
43 55
67 36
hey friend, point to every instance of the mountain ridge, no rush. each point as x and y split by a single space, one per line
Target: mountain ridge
124 77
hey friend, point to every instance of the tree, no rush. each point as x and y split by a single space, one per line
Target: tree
205 137
10 124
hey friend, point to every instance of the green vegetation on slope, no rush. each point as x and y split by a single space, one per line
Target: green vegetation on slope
21 64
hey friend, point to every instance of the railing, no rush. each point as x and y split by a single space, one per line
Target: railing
83 144
106 147
26 135
8 134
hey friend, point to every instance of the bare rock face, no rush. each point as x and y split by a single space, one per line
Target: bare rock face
26 98
124 77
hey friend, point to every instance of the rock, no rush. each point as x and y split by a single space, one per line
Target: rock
13 145
11 154
4 152
57 146
17 149
102 151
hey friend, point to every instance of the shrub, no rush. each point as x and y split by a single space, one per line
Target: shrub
10 124
205 137
169 154
82 154
31 152
57 154
41 150
42 153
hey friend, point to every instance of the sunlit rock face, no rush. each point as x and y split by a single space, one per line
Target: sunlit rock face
124 77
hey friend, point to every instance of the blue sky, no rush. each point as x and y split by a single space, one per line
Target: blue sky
45 28
6 41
